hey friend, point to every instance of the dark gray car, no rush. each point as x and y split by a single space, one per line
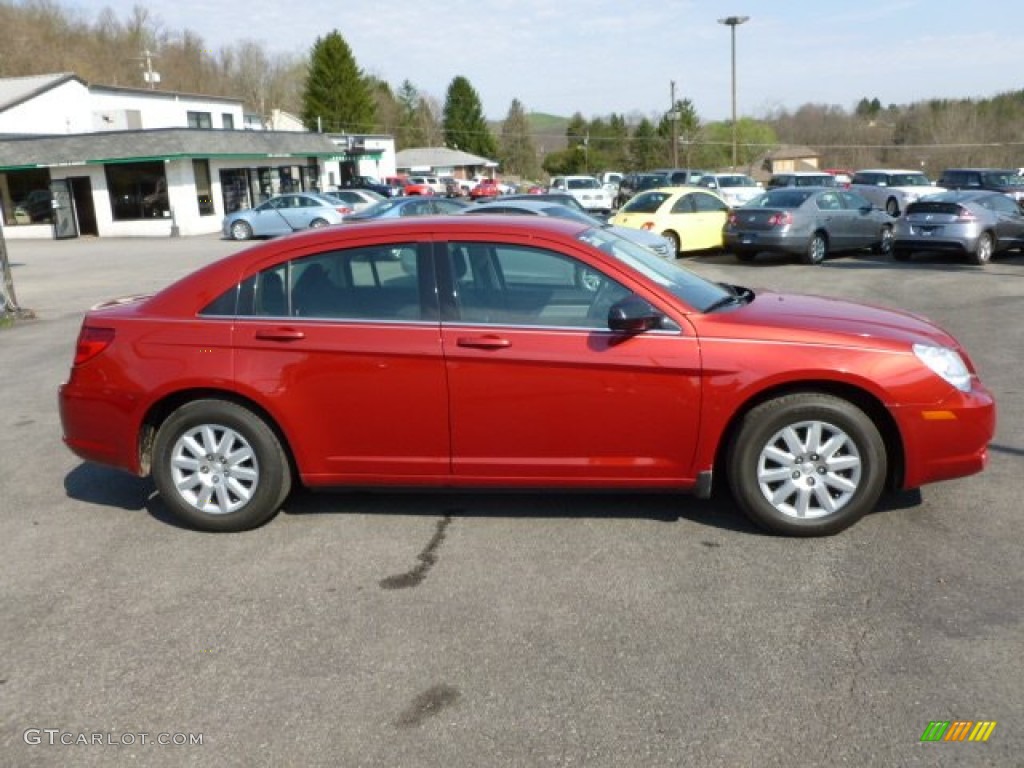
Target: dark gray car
974 223
809 221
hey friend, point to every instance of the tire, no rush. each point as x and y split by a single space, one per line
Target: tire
240 230
983 250
673 238
744 255
318 223
892 207
806 464
901 254
219 467
817 249
884 244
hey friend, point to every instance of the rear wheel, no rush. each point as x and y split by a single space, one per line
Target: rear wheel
983 251
884 244
318 223
817 249
806 464
219 466
673 239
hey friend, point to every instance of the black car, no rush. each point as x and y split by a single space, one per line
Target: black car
374 185
542 197
1005 180
638 182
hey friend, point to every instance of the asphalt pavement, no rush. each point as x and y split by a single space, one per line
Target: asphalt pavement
485 629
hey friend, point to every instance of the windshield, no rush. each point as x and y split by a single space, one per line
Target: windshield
1002 179
736 181
679 281
909 180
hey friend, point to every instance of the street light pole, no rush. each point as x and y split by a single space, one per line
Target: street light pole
732 22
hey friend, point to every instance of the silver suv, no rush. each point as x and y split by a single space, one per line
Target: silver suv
893 190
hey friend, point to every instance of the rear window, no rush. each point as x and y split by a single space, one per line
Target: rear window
781 198
584 184
933 206
825 180
646 202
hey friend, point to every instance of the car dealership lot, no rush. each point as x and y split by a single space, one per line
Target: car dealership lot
487 629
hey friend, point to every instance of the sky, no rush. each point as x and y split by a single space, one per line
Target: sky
599 57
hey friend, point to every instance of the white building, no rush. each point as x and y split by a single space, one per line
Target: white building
110 161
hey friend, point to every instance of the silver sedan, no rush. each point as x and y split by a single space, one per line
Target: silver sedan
808 221
283 214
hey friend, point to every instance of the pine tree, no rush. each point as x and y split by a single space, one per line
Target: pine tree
518 154
337 97
464 125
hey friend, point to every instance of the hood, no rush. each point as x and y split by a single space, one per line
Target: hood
818 320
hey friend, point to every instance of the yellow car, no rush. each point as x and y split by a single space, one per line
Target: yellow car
691 218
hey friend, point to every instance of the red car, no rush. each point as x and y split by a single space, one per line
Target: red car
485 188
505 352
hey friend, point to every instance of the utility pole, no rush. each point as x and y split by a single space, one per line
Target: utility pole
674 117
149 75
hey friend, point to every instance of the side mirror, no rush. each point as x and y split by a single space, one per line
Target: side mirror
633 315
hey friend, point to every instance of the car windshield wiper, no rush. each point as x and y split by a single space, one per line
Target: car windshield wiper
737 295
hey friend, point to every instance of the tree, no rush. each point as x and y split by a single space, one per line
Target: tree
646 150
517 153
464 125
337 98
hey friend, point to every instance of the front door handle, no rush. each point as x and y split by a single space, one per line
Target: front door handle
484 342
280 334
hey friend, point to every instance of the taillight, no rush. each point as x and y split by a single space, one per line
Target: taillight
963 214
344 210
92 341
733 219
780 219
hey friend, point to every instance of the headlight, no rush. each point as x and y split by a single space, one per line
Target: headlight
946 363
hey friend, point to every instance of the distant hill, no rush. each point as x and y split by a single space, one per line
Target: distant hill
548 131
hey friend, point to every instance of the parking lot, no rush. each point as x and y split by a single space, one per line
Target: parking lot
480 629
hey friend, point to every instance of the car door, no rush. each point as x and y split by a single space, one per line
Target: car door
710 213
344 347
836 220
542 392
269 219
864 226
1009 221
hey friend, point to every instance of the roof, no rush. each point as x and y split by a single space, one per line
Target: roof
16 90
438 157
160 144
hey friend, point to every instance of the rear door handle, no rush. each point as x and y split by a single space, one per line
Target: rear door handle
280 334
484 342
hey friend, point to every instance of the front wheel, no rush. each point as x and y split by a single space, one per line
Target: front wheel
806 464
983 250
240 230
219 466
817 249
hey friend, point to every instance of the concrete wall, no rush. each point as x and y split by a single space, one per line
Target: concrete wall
64 109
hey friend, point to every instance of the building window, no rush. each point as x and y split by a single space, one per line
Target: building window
25 197
200 120
228 121
137 190
204 193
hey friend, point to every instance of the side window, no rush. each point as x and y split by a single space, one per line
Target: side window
684 204
371 283
708 204
829 201
498 284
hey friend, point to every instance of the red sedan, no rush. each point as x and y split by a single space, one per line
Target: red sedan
485 188
498 352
